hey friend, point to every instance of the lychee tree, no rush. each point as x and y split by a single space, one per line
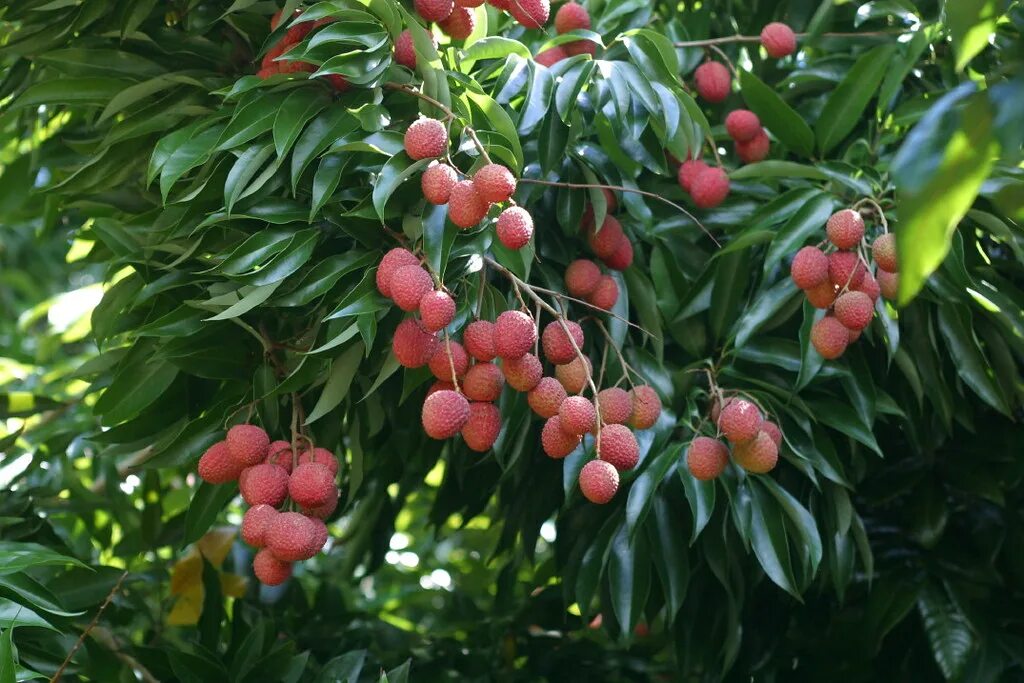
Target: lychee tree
462 340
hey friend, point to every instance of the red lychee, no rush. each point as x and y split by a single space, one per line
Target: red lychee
577 415
822 296
311 484
218 466
551 56
605 294
483 382
546 398
809 268
778 40
581 278
437 183
622 257
530 13
459 24
269 570
444 414
392 261
605 241
327 509
556 441
829 337
706 458
869 286
468 3
247 444
280 453
479 340
254 524
773 431
573 375
758 455
845 269
888 284
322 456
440 385
854 310
580 47
618 445
289 536
426 139
742 125
441 365
599 481
883 249
338 82
515 227
688 172
755 149
710 187
495 183
483 427
616 405
466 208
434 10
514 334
412 345
845 228
713 81
740 420
408 284
646 407
318 535
264 483
558 348
437 310
570 17
405 51
522 374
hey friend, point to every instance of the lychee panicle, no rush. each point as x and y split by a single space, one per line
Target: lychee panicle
437 183
573 375
405 51
264 483
434 10
392 261
571 16
706 458
710 187
466 208
713 81
854 310
254 524
772 430
408 284
870 287
289 536
599 480
269 570
515 227
616 405
688 172
280 453
822 296
551 56
606 294
883 249
740 420
322 456
460 23
605 241
524 373
845 269
754 150
449 355
581 278
742 125
888 284
325 510
622 257
483 426
530 13
444 414
577 415
778 40
558 346
413 345
809 268
426 139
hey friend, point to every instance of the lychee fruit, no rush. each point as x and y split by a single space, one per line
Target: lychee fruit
845 269
514 334
809 268
605 241
441 365
845 228
599 481
318 535
289 536
622 257
408 284
280 453
883 249
522 374
713 81
605 294
437 310
615 405
495 183
468 3
869 286
778 40
437 183
321 456
459 24
483 382
440 385
556 342
551 56
580 47
759 455
740 421
581 278
254 524
618 445
573 375
479 340
570 17
466 208
822 296
829 337
413 345
269 570
755 149
706 458
546 398
311 484
772 430
854 310
327 509
555 440
483 426
646 407
426 139
218 466
515 227
405 51
578 415
392 261
434 10
297 32
530 13
717 406
888 284
264 483
742 125
338 82
710 187
688 172
248 444
444 414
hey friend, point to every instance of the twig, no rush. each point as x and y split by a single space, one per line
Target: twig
725 57
726 40
566 297
90 627
451 361
626 367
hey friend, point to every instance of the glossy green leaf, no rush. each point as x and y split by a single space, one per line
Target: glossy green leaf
849 100
777 116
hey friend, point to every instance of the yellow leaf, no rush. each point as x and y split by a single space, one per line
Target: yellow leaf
187 572
187 608
216 544
233 585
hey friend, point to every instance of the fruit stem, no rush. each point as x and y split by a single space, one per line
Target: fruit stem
626 367
727 40
566 297
725 57
451 361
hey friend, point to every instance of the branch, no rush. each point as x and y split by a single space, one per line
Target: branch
90 627
727 40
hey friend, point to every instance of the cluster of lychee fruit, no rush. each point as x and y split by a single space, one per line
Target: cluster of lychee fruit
571 16
270 64
456 18
584 279
271 475
755 441
840 281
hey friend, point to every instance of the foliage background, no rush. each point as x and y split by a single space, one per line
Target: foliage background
173 230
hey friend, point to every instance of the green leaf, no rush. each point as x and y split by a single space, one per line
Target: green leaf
808 222
971 25
324 131
15 557
971 364
499 121
70 91
849 100
248 299
8 664
948 631
134 388
701 497
207 503
343 369
495 47
770 302
396 171
777 169
777 116
13 615
23 588
801 519
666 533
810 360
768 540
300 106
645 487
343 669
629 577
839 416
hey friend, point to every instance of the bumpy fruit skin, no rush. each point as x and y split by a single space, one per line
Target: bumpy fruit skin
706 458
217 466
495 183
556 441
845 269
605 294
558 348
408 285
522 374
466 208
254 524
759 455
619 447
327 509
580 47
883 249
515 227
646 407
441 365
717 406
311 484
551 56
440 385
269 570
426 139
581 278
616 405
740 421
444 414
888 284
318 536
710 188
755 149
845 229
264 483
392 261
479 340
289 537
742 125
570 17
829 337
413 345
773 431
280 453
483 382
514 334
573 375
622 257
437 183
434 10
546 398
437 310
822 296
809 268
713 81
688 172
483 427
459 24
468 3
322 456
577 415
530 13
854 310
599 481
778 40
605 241
405 51
247 444
869 286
